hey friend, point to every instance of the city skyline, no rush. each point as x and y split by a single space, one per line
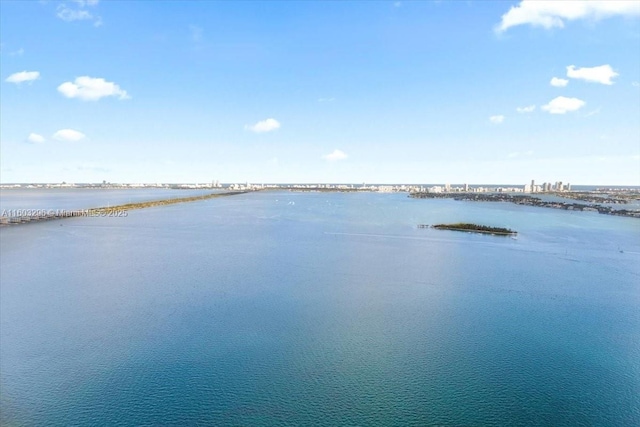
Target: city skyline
532 187
320 92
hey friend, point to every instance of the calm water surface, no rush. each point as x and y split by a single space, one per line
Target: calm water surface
85 198
279 308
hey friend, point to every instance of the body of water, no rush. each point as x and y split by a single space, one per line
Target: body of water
86 198
278 308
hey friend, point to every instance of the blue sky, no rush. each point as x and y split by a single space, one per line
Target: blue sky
312 91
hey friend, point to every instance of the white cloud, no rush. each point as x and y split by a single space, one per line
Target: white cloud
91 89
562 104
18 52
35 138
23 76
79 12
70 15
527 109
335 155
496 119
326 99
635 84
550 14
558 82
267 125
601 74
68 135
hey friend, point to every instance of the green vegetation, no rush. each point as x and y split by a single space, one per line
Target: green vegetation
475 228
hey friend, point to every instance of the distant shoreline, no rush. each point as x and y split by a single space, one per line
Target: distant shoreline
591 201
380 187
527 200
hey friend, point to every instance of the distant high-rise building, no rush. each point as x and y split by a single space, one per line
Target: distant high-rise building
533 186
466 187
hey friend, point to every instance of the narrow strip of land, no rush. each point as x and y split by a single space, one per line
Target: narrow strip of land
533 201
153 203
474 228
37 215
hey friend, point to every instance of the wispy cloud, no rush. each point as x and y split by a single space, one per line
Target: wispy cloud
635 84
593 113
35 138
91 89
554 14
69 15
68 135
262 126
562 105
77 10
335 155
558 82
527 109
23 76
601 74
326 99
18 52
496 119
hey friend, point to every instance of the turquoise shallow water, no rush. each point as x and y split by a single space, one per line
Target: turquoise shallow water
280 308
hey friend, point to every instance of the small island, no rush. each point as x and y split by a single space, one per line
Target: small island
475 228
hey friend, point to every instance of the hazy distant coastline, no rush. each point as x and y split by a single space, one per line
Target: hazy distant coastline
560 196
379 187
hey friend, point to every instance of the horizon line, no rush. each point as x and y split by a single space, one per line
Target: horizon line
203 183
